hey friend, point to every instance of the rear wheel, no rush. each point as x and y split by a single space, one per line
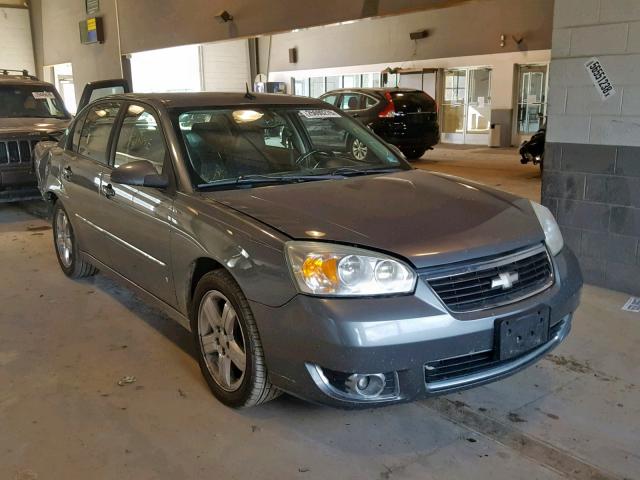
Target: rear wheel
228 344
66 245
414 153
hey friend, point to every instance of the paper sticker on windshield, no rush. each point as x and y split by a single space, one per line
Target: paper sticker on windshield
43 95
320 113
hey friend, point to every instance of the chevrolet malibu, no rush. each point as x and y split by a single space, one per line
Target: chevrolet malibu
298 267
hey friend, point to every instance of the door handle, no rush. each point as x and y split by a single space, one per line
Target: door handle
108 191
67 173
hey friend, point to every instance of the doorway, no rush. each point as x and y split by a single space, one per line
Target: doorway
61 75
466 108
532 100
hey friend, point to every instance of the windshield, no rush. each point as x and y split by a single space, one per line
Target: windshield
285 143
37 101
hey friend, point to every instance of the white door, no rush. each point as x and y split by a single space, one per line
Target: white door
466 109
532 100
15 38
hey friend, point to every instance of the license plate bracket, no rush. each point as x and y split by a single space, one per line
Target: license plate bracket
518 334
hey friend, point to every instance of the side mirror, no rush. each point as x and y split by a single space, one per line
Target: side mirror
140 173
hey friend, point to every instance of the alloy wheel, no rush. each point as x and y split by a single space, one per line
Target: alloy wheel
64 241
222 341
359 150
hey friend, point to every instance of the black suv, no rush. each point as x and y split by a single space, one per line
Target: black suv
30 111
405 118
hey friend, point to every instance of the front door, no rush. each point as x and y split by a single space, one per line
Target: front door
139 216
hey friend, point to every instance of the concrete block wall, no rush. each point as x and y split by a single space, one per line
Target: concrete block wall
592 163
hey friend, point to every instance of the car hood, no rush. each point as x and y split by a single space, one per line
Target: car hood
428 219
12 126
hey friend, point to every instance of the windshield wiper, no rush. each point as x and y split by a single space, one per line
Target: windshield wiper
260 179
352 171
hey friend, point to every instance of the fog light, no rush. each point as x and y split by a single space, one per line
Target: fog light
356 387
369 385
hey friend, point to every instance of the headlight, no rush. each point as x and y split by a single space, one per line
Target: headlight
552 235
337 270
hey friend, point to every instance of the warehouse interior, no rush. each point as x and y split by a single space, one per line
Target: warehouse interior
99 379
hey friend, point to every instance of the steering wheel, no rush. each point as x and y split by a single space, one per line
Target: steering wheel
305 156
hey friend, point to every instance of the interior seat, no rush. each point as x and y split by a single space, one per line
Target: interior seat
210 148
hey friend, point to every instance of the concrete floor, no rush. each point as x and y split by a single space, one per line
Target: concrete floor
65 344
496 167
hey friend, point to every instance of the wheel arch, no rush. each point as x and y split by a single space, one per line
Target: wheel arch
199 268
50 199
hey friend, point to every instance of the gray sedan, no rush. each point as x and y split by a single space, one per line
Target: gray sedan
298 267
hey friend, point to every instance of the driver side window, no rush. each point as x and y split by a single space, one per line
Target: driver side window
140 138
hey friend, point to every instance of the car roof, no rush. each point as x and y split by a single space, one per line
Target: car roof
374 90
214 99
21 80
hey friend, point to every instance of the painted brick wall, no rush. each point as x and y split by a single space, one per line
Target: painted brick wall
592 163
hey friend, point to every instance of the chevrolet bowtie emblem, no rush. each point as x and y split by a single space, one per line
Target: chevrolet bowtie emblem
505 280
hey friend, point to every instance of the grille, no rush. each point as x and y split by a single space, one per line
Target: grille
468 287
17 150
452 368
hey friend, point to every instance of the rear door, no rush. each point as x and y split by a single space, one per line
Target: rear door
371 105
351 103
84 164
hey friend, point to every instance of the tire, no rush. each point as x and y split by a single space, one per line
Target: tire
66 246
414 153
357 149
221 340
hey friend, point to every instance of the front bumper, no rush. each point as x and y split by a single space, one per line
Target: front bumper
400 335
17 183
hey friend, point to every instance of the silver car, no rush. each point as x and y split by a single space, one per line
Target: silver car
298 267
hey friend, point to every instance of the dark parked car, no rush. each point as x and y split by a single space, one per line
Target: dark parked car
402 117
300 267
30 111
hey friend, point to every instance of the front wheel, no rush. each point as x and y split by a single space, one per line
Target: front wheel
358 149
228 344
66 245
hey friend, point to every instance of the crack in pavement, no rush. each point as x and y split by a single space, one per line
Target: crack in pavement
528 446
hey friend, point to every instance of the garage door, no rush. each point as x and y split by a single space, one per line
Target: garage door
15 38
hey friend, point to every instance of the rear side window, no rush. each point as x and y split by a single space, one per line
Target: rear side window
413 102
330 99
94 138
77 130
370 101
351 101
